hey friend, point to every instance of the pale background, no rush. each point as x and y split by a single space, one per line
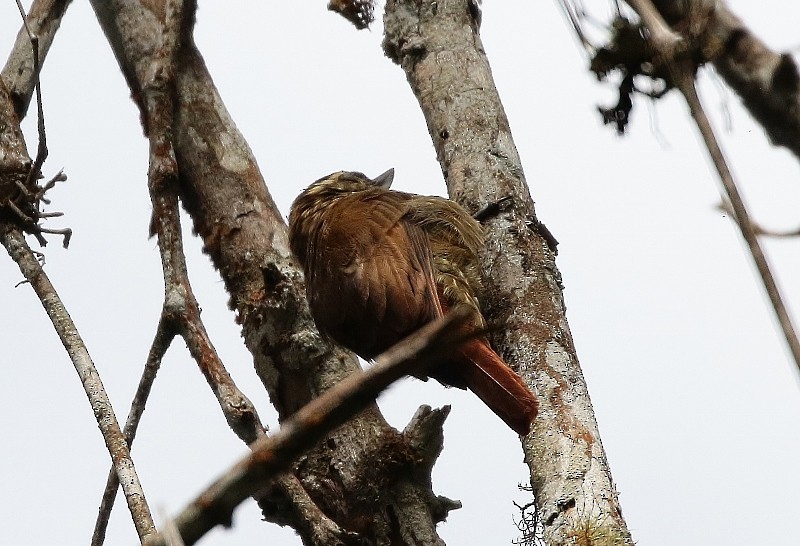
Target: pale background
697 401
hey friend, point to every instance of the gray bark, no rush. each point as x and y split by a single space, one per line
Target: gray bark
438 46
358 476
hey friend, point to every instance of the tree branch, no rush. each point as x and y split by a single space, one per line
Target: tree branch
17 248
15 176
683 78
244 234
158 348
181 312
310 424
43 20
438 46
767 82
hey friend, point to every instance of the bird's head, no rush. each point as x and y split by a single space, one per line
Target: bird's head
347 182
307 209
328 189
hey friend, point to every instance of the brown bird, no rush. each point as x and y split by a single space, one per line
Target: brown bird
380 263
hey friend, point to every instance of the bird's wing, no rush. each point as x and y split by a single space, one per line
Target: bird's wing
378 283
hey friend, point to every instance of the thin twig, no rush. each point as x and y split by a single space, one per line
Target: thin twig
41 152
760 230
14 242
162 174
663 40
20 73
310 424
180 304
161 342
575 16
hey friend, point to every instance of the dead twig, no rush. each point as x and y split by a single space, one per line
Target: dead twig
41 153
310 424
575 14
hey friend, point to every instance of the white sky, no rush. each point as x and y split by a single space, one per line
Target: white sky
697 401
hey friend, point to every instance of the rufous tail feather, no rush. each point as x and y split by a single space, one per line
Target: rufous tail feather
485 374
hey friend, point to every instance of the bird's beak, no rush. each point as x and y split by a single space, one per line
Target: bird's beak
384 180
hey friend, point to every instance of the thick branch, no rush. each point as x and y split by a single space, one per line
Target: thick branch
181 312
245 236
438 47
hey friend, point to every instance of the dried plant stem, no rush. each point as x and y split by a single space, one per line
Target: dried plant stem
20 252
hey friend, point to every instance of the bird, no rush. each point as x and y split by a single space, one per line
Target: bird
380 263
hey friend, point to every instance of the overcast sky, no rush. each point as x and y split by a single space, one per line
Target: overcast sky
697 401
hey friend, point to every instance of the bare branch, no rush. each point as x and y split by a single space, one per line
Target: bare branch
17 248
683 77
707 31
19 73
726 207
181 312
310 424
161 342
244 234
41 154
768 82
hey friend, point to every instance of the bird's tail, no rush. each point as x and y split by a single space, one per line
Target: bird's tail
502 390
